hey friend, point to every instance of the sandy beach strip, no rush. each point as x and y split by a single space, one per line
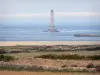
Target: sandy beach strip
13 43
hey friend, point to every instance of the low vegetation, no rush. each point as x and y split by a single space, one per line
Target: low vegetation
53 47
21 67
6 58
69 56
28 58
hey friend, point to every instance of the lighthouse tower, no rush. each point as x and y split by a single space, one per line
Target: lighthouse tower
52 28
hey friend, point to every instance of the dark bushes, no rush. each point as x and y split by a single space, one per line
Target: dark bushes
6 58
94 57
74 57
98 69
52 56
90 65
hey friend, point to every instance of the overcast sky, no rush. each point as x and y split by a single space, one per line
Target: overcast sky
40 9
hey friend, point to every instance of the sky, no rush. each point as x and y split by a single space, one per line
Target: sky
38 11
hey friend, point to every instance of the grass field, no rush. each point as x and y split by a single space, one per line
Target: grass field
36 53
24 58
43 73
27 58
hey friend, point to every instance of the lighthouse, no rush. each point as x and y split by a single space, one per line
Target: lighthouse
52 28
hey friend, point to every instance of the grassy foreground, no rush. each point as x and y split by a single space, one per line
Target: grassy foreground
52 61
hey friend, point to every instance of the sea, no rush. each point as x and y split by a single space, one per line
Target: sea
31 32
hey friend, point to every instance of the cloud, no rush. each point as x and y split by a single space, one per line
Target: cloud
33 15
77 14
57 15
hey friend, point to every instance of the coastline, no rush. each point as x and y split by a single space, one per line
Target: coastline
14 43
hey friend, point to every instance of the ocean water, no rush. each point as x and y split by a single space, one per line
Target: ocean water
35 33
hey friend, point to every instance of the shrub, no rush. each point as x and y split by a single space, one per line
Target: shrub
90 65
74 56
97 66
52 56
6 58
63 66
94 57
98 69
2 51
74 65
